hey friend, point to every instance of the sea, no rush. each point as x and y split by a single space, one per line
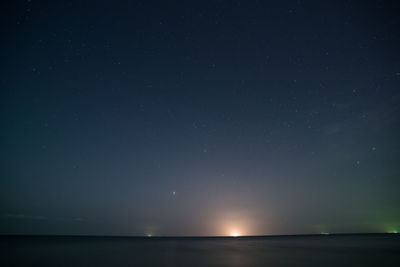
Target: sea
301 250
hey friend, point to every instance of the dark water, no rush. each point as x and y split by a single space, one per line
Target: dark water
332 250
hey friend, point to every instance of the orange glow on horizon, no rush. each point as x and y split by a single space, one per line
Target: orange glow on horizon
235 234
235 224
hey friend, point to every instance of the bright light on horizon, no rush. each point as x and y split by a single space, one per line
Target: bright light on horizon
235 234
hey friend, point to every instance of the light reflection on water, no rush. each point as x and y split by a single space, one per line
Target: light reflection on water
365 250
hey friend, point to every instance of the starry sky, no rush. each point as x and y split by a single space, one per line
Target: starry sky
199 117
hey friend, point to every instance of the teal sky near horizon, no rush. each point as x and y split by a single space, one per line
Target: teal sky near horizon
199 117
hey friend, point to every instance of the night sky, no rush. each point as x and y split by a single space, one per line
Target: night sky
199 117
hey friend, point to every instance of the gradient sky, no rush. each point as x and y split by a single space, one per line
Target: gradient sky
199 117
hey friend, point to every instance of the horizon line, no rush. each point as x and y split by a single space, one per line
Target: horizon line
194 236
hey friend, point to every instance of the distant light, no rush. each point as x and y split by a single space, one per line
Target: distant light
235 234
324 233
149 235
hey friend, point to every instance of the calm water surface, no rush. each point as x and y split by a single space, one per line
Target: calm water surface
331 250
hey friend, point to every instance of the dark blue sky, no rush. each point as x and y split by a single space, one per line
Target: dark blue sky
199 117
